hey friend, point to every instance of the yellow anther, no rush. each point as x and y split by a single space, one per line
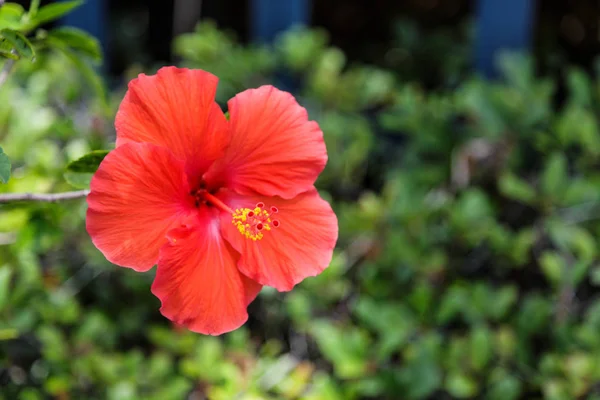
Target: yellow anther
251 223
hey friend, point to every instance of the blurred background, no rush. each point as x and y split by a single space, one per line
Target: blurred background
464 155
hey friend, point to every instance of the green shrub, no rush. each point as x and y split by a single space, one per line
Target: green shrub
467 264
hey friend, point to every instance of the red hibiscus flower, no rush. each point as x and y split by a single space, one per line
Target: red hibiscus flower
221 206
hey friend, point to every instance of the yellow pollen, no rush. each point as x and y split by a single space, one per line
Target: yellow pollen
251 223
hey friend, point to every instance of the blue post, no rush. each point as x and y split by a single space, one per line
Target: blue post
92 17
269 17
501 25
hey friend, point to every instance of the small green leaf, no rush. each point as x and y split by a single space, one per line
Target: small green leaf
5 277
522 244
4 167
509 388
553 266
516 188
8 334
8 54
481 347
19 43
88 73
79 180
34 7
502 302
420 374
461 386
554 177
10 15
79 172
580 87
77 39
88 163
51 12
345 346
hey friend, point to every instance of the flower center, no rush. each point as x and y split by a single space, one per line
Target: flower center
199 195
252 223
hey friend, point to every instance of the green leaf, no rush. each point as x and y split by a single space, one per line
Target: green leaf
10 15
461 386
8 334
502 302
578 125
516 188
552 265
517 68
78 180
534 313
509 388
88 73
584 245
4 167
394 323
481 347
580 87
554 176
51 12
77 39
7 50
473 206
454 300
573 239
34 7
420 375
5 276
522 243
8 54
88 163
19 42
79 172
345 346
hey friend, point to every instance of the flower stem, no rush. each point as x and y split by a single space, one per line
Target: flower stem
42 197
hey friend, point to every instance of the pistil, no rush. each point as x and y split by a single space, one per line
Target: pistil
214 201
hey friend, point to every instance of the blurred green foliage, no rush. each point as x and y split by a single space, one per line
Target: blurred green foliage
21 36
467 264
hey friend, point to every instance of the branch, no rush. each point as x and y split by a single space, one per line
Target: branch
42 197
6 70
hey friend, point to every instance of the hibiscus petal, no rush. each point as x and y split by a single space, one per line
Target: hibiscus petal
274 150
175 109
301 246
138 194
198 282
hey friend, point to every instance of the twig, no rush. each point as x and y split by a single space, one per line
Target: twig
7 238
6 70
42 197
